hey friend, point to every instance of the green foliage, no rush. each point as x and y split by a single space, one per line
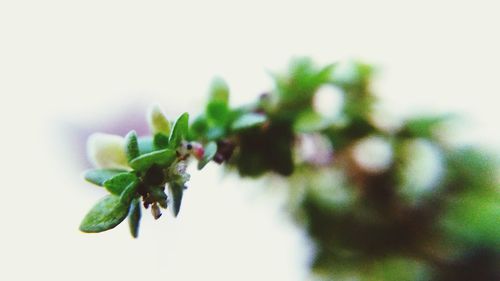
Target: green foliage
117 184
217 110
134 217
131 146
160 157
423 213
105 215
176 190
99 176
179 132
210 151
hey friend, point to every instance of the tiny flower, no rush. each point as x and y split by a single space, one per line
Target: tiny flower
107 151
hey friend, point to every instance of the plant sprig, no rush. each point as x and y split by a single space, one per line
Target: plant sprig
363 184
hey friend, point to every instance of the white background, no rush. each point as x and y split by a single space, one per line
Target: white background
85 62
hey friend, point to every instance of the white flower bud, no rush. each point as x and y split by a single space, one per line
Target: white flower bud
107 151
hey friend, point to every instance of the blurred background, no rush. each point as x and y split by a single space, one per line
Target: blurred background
71 68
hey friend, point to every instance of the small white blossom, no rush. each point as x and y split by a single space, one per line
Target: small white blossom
107 151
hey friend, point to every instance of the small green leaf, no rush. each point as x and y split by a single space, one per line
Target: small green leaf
198 128
99 176
175 193
158 123
134 218
248 120
219 90
117 184
106 214
131 146
217 110
146 145
180 130
208 155
161 157
160 141
129 192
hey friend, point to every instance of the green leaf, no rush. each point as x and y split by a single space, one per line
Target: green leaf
310 121
158 123
426 126
208 155
129 192
175 191
134 218
146 145
219 91
160 141
217 113
161 157
131 146
248 120
106 214
117 184
99 176
179 131
217 110
198 128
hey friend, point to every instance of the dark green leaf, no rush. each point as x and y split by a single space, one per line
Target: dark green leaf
106 214
198 128
129 192
161 157
175 191
180 130
248 120
131 146
134 218
210 151
160 141
117 184
99 176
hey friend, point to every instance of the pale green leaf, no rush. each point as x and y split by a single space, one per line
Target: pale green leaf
106 214
99 176
248 120
208 155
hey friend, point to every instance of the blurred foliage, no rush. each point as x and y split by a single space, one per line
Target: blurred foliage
380 203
